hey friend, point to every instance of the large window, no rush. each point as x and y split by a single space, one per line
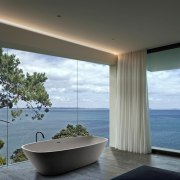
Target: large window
93 97
164 102
79 93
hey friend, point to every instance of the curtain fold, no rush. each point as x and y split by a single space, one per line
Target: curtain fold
131 126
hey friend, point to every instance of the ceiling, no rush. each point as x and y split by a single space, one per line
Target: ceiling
114 26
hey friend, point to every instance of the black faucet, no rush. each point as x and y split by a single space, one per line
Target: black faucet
39 133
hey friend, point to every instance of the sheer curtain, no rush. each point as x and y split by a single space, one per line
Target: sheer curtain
129 124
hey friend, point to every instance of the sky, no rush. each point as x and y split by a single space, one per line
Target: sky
61 85
93 82
164 89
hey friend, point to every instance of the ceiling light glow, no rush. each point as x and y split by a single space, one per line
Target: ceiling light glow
18 25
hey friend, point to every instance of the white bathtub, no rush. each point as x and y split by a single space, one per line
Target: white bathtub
62 155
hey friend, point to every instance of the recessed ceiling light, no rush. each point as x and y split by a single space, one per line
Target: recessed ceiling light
58 16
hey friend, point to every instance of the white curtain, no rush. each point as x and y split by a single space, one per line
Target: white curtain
130 124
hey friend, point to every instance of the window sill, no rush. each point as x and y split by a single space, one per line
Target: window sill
165 151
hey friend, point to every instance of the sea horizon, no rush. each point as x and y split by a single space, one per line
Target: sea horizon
165 126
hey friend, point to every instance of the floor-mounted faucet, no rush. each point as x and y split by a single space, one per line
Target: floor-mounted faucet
39 133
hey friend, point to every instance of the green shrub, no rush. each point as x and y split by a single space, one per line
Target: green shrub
1 144
2 161
18 156
71 131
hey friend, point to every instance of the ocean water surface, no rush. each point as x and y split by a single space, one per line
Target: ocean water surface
165 126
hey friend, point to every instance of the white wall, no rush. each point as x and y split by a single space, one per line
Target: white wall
113 79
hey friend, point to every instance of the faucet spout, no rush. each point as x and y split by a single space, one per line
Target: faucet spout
39 133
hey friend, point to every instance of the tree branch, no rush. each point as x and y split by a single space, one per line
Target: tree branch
5 121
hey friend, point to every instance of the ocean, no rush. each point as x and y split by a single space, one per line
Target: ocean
165 126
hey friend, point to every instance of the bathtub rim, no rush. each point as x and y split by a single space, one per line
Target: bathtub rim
23 146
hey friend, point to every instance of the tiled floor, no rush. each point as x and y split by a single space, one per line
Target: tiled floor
111 163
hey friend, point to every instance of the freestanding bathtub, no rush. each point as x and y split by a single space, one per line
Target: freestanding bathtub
58 156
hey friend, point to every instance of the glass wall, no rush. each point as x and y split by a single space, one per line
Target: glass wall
93 97
78 91
164 102
3 114
3 136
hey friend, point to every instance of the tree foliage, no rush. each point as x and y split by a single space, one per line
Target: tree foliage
17 86
18 156
1 144
72 131
2 159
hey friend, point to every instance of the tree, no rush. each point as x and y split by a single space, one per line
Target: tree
2 159
18 156
72 131
16 86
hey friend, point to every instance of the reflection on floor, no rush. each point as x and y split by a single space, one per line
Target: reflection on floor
111 164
